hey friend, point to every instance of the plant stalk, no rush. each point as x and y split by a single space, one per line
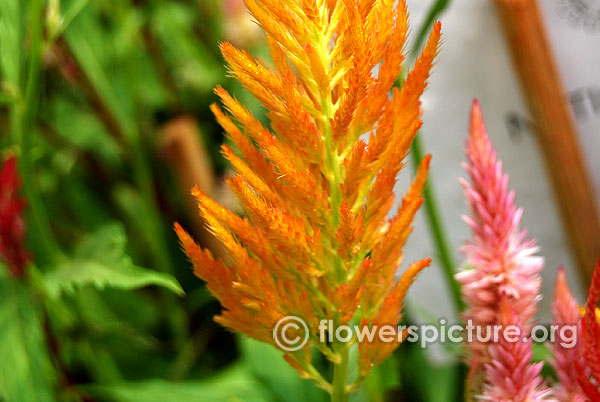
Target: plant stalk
339 391
438 231
22 118
145 183
432 211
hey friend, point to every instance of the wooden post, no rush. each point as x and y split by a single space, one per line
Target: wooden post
556 132
186 154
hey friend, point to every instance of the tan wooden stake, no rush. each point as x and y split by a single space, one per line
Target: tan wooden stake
187 156
556 130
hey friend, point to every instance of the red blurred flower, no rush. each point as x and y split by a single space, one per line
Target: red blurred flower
589 374
12 229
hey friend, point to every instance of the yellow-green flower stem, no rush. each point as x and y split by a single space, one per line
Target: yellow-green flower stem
339 386
314 374
332 159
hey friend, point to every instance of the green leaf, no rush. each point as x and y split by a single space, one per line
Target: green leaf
236 384
268 365
193 65
71 11
7 99
418 374
84 37
382 379
26 373
541 353
11 46
77 125
100 260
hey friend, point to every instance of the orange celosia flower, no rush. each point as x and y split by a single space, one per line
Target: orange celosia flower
316 242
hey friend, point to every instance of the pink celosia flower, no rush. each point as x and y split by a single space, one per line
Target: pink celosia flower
565 311
12 229
510 375
501 284
500 260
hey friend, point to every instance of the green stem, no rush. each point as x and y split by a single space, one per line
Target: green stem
145 183
156 234
432 210
432 15
119 118
438 231
22 119
339 391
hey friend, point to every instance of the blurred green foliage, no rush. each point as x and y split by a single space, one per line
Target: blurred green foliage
86 86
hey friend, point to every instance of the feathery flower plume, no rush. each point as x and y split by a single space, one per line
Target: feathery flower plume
500 259
588 372
565 311
316 242
12 229
510 375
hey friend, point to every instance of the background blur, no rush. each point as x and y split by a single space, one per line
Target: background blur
120 130
475 62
